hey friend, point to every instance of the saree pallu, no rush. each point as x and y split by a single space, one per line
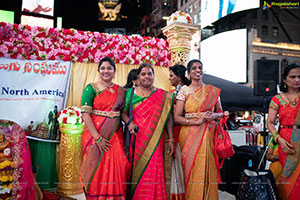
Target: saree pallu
150 115
289 184
200 167
104 174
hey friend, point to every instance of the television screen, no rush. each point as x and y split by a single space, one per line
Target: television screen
44 7
109 10
37 21
212 10
225 56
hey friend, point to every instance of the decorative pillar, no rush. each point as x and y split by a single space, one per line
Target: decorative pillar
179 36
71 154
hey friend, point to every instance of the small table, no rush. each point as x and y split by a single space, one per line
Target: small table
43 155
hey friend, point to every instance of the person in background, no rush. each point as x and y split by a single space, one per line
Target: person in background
151 109
105 166
287 106
232 122
177 79
198 107
272 156
132 80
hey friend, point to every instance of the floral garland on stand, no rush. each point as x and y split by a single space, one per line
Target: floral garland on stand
37 43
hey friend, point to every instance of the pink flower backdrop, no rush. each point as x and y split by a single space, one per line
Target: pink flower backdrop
38 43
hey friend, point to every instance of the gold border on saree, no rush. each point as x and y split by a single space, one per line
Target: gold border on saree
110 114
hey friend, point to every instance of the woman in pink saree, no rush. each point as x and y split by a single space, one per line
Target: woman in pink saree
197 109
151 109
23 187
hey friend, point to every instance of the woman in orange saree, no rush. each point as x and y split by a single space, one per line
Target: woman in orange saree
197 109
151 109
286 105
105 165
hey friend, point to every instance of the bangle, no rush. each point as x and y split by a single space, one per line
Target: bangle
187 121
98 137
171 140
274 134
276 138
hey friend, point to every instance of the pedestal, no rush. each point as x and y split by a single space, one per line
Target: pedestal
179 36
70 159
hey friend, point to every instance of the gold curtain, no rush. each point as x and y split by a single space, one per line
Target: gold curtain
85 73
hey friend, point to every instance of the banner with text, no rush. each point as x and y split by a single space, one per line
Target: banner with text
31 90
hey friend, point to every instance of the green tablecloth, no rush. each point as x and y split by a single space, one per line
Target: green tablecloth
43 155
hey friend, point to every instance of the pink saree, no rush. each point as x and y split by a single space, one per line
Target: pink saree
151 115
23 187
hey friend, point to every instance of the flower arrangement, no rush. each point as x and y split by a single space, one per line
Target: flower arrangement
70 115
37 43
181 17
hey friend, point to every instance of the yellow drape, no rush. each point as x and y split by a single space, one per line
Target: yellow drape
85 73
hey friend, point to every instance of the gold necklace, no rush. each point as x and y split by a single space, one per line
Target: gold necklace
293 103
109 86
194 94
142 91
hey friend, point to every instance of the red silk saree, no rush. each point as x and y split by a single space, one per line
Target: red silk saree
104 175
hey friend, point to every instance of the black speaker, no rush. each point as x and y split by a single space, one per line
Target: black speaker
266 77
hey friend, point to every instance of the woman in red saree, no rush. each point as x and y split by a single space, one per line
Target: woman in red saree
197 109
151 109
287 106
105 165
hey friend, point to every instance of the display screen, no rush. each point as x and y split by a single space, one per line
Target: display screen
109 10
37 21
212 10
7 16
225 56
44 7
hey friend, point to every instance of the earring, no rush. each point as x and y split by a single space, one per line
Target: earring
284 85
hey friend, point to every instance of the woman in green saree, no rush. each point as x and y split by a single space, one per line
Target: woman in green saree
151 109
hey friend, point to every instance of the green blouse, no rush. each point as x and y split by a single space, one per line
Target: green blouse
88 96
135 99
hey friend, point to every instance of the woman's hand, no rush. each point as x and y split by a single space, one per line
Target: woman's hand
133 128
209 115
171 146
103 145
199 121
286 147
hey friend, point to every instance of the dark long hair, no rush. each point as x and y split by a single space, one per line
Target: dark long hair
190 64
143 66
179 70
285 74
107 59
132 76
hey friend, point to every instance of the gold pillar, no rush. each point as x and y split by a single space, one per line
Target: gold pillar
71 154
179 36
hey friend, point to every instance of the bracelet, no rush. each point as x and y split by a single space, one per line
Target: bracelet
171 140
